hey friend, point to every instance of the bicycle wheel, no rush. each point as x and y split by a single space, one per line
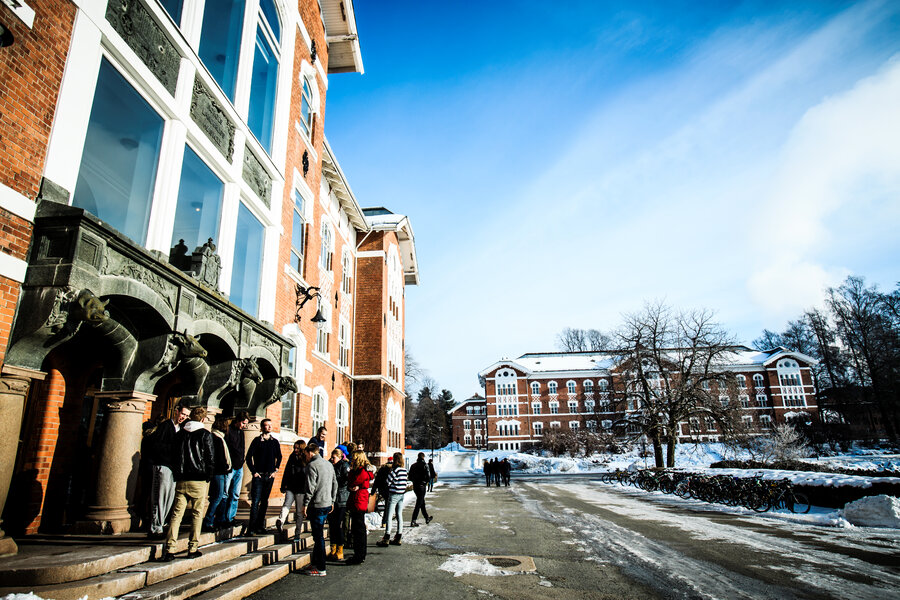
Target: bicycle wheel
800 503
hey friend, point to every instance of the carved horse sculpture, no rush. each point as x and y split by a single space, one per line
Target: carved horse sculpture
184 352
238 377
271 391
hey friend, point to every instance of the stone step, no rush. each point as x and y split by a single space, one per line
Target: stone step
109 585
212 554
196 582
250 583
45 563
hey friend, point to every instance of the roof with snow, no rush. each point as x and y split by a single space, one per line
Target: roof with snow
381 219
476 399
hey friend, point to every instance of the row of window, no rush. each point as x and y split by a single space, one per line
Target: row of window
318 413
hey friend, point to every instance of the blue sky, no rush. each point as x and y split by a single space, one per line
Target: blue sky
561 163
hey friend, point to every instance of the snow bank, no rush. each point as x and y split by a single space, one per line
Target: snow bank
874 511
472 564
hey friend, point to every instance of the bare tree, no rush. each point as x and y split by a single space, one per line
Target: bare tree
670 369
572 340
597 340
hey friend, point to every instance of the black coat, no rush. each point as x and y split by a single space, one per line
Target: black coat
196 455
294 478
162 445
234 439
419 474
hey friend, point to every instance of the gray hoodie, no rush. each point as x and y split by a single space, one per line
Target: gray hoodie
321 483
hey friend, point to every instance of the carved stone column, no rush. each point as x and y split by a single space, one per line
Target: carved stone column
112 510
14 385
251 433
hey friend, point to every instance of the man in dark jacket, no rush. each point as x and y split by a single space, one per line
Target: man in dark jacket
336 516
420 475
195 461
263 460
319 440
162 452
234 439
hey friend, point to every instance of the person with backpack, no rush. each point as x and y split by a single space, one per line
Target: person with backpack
396 483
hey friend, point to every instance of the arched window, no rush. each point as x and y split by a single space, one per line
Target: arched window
326 254
319 412
309 102
759 382
603 385
588 386
298 232
552 387
741 381
347 272
570 387
264 81
341 419
535 388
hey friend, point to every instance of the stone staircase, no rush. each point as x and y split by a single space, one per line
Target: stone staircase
231 567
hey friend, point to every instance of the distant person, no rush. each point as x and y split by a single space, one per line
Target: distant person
432 475
221 471
263 460
396 483
163 456
195 463
234 439
495 471
321 493
358 482
336 517
319 440
488 473
420 475
293 486
505 470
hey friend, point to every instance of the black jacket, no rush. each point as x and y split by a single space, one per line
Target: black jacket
381 477
342 473
162 445
294 478
234 439
418 473
196 454
264 456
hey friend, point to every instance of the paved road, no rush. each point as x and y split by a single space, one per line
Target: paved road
589 540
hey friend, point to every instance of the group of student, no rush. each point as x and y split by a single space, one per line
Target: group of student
497 471
198 472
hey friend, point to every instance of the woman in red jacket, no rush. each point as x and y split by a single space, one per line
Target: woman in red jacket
358 483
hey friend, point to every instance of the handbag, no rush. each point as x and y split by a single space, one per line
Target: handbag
373 500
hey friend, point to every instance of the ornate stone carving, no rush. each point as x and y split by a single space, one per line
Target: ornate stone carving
257 339
249 377
133 22
59 314
14 385
206 264
123 267
207 312
212 119
256 176
125 406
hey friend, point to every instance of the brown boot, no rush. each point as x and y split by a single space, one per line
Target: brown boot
396 540
339 553
383 542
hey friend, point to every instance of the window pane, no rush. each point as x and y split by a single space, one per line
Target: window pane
271 14
199 203
173 7
262 91
297 242
220 41
247 272
304 107
121 153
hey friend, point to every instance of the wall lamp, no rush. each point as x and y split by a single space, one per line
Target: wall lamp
304 295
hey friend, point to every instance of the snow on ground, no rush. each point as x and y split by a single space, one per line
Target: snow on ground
805 477
472 564
874 511
869 461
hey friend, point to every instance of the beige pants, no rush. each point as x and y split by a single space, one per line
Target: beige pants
190 496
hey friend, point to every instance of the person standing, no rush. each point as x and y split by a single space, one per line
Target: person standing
495 471
321 493
486 468
234 439
293 486
358 481
336 517
162 460
263 460
396 483
319 440
221 471
432 475
381 488
195 462
419 475
505 471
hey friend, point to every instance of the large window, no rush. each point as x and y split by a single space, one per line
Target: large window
247 268
323 334
261 117
341 420
306 112
298 234
199 203
220 42
319 413
535 388
120 158
551 387
326 254
287 401
344 344
347 272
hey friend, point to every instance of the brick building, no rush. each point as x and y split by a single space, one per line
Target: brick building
468 422
168 199
582 390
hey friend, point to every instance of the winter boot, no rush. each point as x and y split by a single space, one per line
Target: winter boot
396 540
383 542
339 553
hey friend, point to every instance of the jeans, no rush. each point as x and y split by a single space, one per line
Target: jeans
216 498
297 500
233 493
162 494
260 488
394 509
358 533
317 518
336 525
419 490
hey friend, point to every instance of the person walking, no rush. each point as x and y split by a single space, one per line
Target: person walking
336 517
381 488
321 493
293 486
486 468
358 481
505 471
234 439
221 471
162 460
495 471
195 462
319 440
432 475
263 460
396 483
419 475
